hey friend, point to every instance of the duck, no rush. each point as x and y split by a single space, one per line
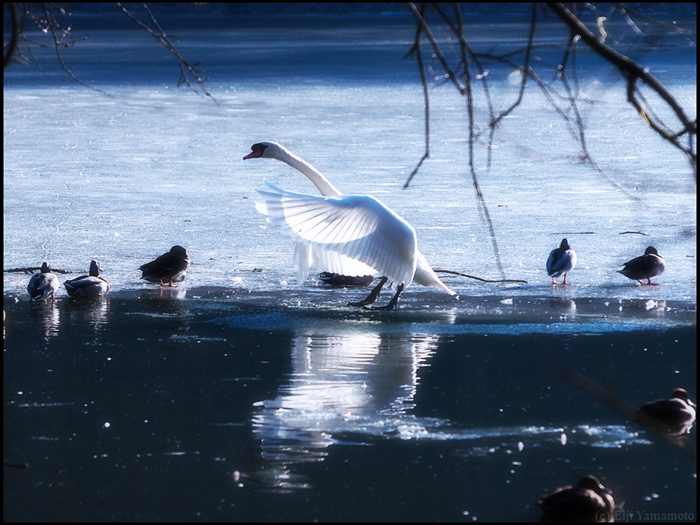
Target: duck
335 279
645 266
351 235
589 501
677 413
169 268
561 261
91 285
43 285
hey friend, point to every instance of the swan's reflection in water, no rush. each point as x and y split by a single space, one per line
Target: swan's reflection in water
356 382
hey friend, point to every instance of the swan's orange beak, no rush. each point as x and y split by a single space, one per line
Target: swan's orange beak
254 154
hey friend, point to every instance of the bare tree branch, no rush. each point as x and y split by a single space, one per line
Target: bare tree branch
625 10
49 24
53 25
526 68
565 100
480 279
436 47
11 47
419 58
483 208
482 75
159 34
634 72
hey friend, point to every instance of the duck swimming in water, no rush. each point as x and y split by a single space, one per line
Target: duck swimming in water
169 268
677 413
561 261
645 266
587 501
88 285
43 285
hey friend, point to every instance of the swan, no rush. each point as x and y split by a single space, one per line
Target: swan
645 266
88 285
350 235
561 261
171 267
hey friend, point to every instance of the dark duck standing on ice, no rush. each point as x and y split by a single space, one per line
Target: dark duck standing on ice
88 285
677 413
335 279
43 285
645 266
561 261
169 268
589 501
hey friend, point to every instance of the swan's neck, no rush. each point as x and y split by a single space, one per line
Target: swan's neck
315 176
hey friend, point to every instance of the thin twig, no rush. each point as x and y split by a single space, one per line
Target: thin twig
165 41
465 89
633 72
436 47
483 208
419 57
482 76
52 25
525 68
11 46
624 9
33 269
480 279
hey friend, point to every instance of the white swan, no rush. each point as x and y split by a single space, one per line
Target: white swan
347 234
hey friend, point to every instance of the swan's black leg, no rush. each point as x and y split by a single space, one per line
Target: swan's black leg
392 304
372 295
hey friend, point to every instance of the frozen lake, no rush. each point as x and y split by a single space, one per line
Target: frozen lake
123 178
241 395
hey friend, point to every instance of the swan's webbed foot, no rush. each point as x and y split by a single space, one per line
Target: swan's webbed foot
372 297
391 304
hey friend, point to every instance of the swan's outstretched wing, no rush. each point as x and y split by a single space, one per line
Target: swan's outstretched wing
306 256
358 227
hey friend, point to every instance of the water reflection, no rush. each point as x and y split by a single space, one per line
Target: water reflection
92 313
356 381
48 318
566 308
164 292
165 302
